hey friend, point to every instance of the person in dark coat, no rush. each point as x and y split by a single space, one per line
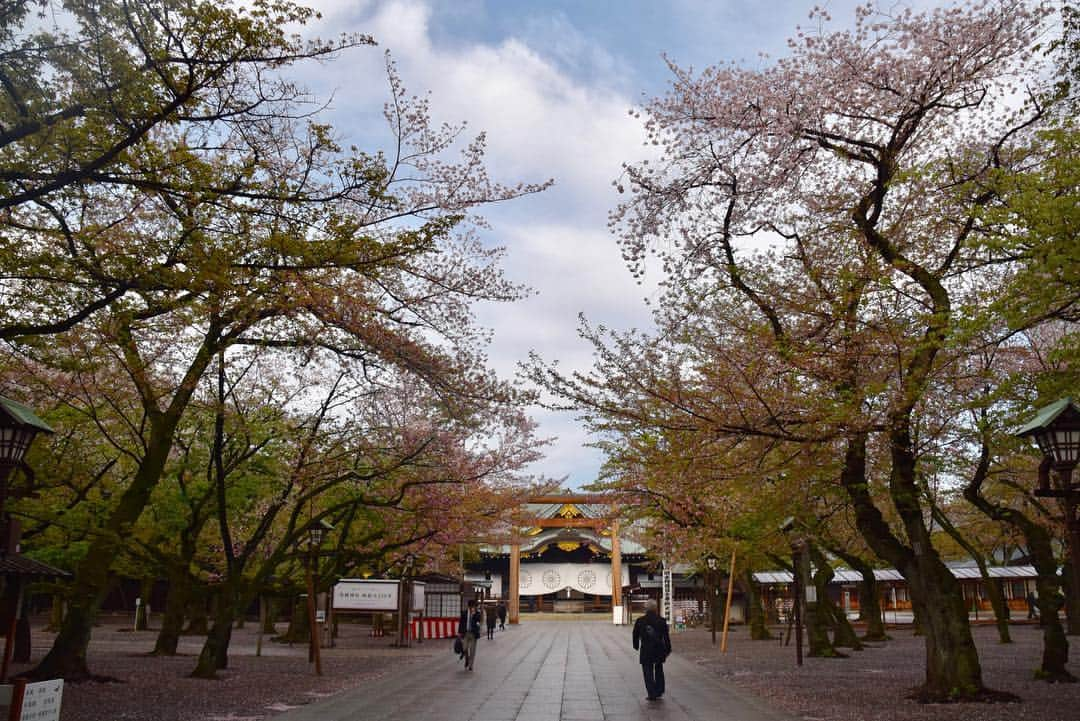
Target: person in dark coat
653 644
489 613
502 616
469 631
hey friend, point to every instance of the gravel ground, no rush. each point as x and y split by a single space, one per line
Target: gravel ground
251 689
872 684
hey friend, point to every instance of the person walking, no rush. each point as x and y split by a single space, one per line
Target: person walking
469 631
1033 605
502 615
489 613
653 644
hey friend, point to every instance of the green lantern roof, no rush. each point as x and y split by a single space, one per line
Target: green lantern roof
23 415
1046 415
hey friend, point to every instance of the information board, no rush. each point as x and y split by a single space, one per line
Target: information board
373 595
41 701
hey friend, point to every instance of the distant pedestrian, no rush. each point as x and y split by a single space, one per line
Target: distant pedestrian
469 631
491 620
1032 603
502 615
653 642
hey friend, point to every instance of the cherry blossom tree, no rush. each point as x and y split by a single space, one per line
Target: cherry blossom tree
382 277
806 218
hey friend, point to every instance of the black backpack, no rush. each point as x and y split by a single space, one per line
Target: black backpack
651 640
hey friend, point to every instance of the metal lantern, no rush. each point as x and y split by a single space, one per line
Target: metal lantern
18 427
1056 430
712 562
317 532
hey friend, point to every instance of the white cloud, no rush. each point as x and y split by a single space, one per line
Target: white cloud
541 122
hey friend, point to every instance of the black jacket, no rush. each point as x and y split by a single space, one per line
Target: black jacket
649 653
465 623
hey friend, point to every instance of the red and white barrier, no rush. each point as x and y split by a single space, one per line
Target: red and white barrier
435 627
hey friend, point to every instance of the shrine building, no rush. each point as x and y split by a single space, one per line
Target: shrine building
567 556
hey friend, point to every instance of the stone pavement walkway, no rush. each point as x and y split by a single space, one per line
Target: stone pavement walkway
541 671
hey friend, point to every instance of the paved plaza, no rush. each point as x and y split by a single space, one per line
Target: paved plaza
541 671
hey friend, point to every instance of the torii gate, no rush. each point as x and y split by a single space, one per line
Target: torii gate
596 523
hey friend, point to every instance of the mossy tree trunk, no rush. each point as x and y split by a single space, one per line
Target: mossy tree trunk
1072 599
172 618
214 655
992 586
197 615
819 613
759 629
1055 655
299 629
56 613
67 657
844 635
953 671
270 616
869 596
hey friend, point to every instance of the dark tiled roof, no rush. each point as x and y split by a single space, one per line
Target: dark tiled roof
14 564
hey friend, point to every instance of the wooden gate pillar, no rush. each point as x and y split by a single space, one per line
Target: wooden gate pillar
616 566
515 583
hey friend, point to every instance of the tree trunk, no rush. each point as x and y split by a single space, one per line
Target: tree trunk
952 661
215 651
198 618
299 630
759 629
953 669
67 657
869 598
818 616
56 613
172 620
1001 608
1055 644
844 635
1072 598
270 616
992 586
1047 584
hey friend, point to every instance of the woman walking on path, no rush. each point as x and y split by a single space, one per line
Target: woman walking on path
502 616
489 612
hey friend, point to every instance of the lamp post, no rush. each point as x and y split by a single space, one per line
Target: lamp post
798 546
19 425
18 428
713 564
1056 430
316 533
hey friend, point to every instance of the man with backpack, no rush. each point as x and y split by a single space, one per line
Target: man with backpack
653 643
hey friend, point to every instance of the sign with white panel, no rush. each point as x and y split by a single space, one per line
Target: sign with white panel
356 594
40 701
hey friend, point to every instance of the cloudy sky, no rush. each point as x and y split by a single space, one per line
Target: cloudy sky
551 82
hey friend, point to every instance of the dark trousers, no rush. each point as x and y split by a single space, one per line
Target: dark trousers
654 678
